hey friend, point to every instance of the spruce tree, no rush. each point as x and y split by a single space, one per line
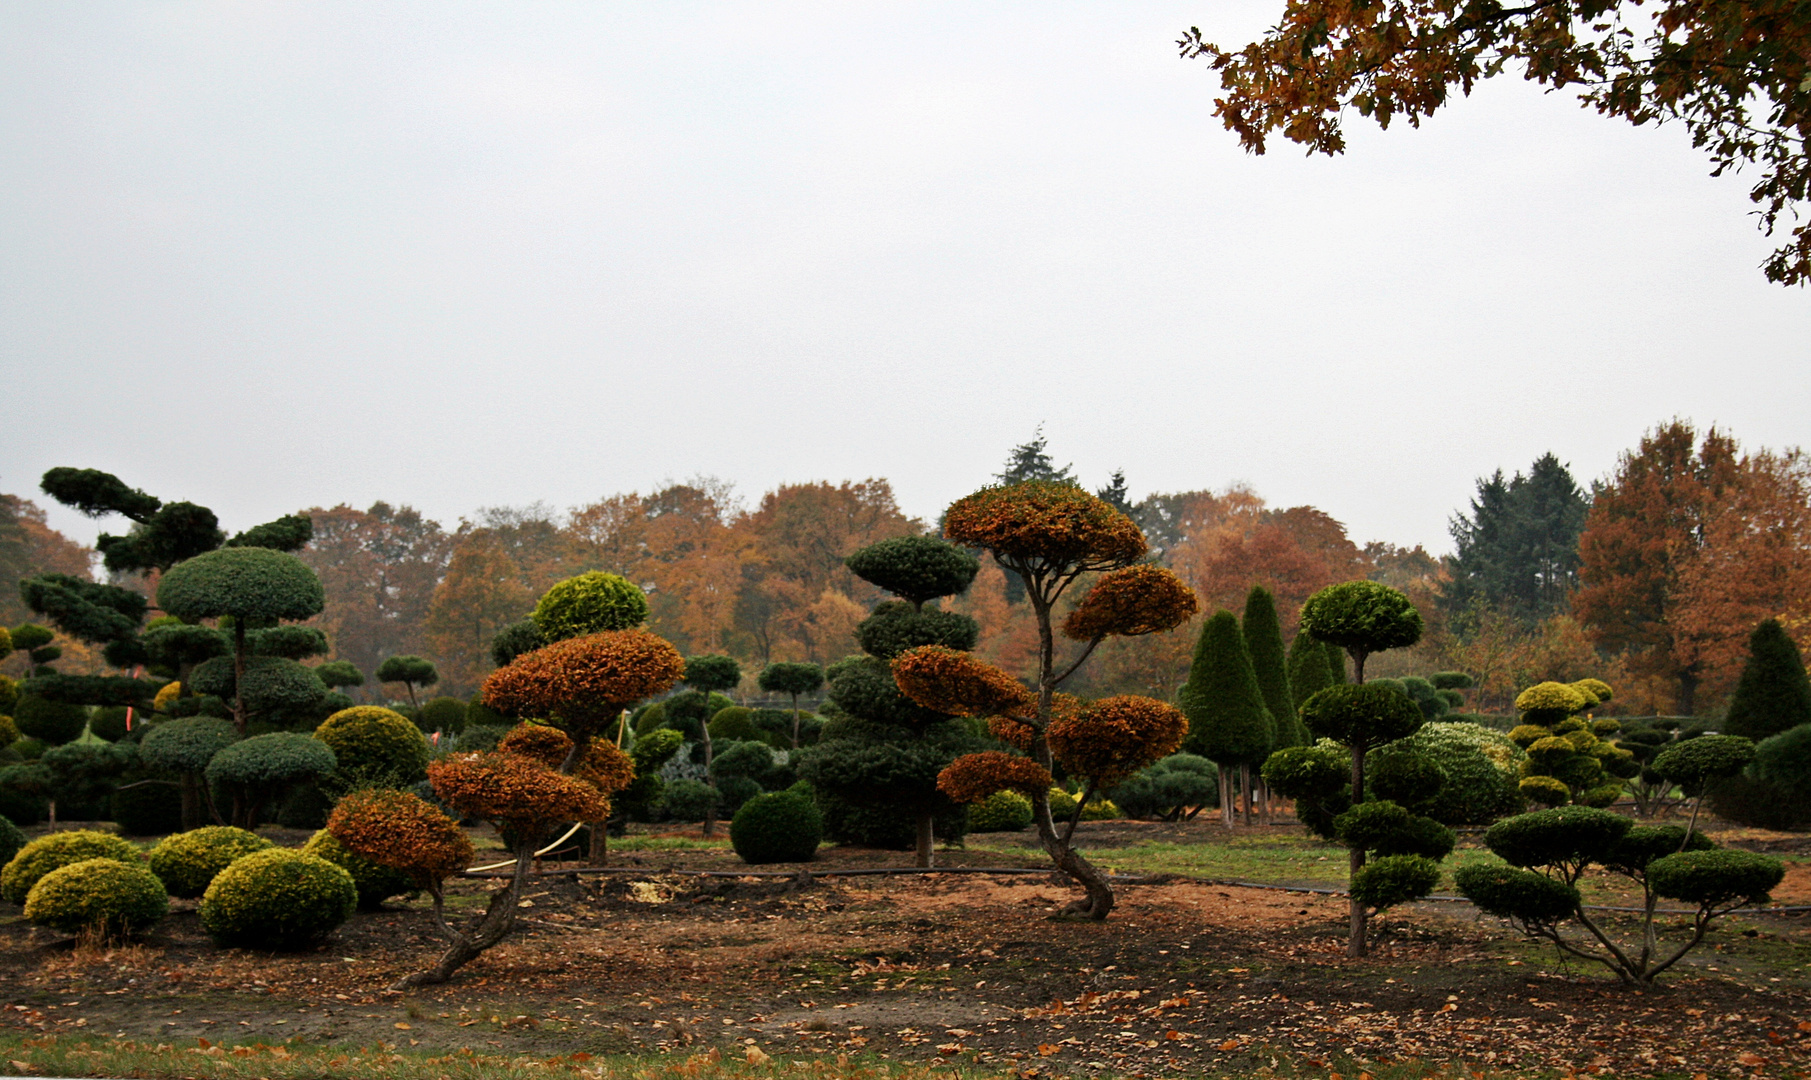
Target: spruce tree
1225 707
1308 669
1264 641
1774 693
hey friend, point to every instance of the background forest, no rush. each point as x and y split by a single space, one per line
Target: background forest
1651 577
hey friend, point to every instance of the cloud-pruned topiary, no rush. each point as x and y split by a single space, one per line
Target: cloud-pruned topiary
915 568
411 671
1175 788
590 603
101 900
261 769
1362 617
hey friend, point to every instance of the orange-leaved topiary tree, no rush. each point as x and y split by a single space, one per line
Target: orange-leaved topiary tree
1050 535
582 685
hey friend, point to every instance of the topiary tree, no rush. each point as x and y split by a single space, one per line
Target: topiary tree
588 604
260 770
375 883
82 775
1263 632
1003 811
1568 760
56 850
1047 535
648 754
50 722
876 763
339 674
1695 763
187 862
707 675
106 617
270 691
410 671
514 640
1481 769
1228 721
583 685
1361 617
1549 850
780 827
183 748
1774 693
253 586
793 680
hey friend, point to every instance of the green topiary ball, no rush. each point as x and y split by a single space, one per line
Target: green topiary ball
1003 811
782 827
109 723
442 714
374 883
377 745
1062 804
50 722
12 838
734 724
1395 879
689 800
277 898
55 851
185 745
588 604
188 862
98 898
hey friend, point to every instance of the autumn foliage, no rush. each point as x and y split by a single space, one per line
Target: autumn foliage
1112 738
584 680
514 792
400 830
548 745
1045 524
1135 600
959 684
973 777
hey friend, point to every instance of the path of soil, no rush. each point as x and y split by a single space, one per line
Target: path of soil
1183 976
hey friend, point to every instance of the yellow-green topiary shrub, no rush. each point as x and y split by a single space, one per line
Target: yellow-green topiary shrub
278 898
187 862
374 883
376 745
100 899
56 851
1099 809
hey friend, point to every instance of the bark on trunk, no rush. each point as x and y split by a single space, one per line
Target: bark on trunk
191 802
927 840
1685 702
468 944
1356 946
710 808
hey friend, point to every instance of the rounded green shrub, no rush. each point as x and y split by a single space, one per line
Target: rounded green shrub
588 604
918 568
1170 787
12 838
478 714
108 722
1405 777
781 827
1544 790
1394 879
185 745
1521 895
1364 715
1716 878
896 626
1003 811
99 898
271 761
187 862
1564 834
255 584
689 800
147 809
733 791
1481 767
734 723
442 714
278 898
374 883
376 745
1062 804
59 849
50 722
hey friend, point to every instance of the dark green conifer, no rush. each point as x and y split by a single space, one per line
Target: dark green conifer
1264 642
1224 705
1774 693
1308 669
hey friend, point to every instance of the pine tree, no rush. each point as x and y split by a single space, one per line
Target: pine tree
1264 642
1028 461
1308 670
1774 693
1228 722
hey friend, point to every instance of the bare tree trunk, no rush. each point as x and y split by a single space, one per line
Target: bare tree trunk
469 943
927 839
598 850
710 808
1245 790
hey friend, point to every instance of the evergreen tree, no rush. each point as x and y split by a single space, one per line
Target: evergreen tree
1337 675
1517 549
1774 693
1264 642
1116 495
1028 461
1225 706
1309 672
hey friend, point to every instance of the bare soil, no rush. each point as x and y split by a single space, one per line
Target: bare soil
1185 976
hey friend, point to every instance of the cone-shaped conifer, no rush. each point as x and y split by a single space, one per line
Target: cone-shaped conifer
1774 693
1264 642
1308 670
1225 707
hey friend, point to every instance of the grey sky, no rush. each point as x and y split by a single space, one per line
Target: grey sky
263 256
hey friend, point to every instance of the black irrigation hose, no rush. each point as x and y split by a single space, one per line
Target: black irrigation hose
1123 879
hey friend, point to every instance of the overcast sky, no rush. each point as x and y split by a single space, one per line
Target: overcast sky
264 256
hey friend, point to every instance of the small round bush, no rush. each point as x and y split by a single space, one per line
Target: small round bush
147 809
50 722
1716 878
589 604
187 862
1480 766
1394 879
442 714
374 883
12 838
108 723
186 745
376 744
689 800
98 898
781 827
273 761
1003 811
1170 787
1099 809
1522 895
1692 763
735 723
278 898
478 714
60 849
1544 790
1406 778
1062 804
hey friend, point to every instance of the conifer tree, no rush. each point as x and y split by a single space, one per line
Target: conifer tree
1337 673
1225 708
1309 672
1774 693
1264 641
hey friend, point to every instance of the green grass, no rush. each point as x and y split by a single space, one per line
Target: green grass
1292 860
667 843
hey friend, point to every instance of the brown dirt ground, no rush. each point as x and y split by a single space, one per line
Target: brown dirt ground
1185 976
